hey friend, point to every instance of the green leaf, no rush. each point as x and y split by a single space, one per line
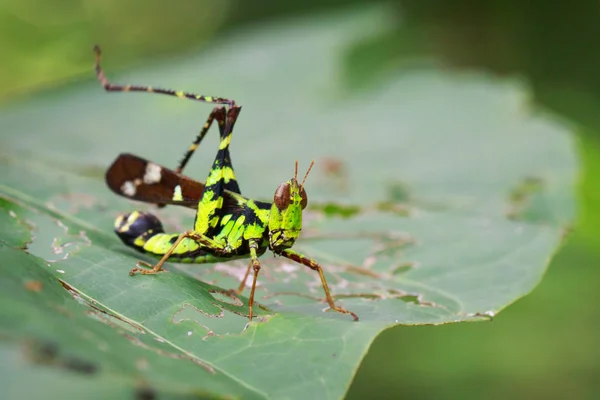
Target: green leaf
91 353
422 211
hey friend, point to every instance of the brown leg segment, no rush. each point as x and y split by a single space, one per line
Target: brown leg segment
256 266
312 264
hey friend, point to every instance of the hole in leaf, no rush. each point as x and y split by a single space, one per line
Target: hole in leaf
226 297
214 325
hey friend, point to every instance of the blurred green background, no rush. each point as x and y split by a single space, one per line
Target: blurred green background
544 345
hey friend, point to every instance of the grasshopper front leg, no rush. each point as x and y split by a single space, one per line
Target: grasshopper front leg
255 265
312 264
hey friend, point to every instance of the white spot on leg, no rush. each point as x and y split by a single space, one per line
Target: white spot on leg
153 173
128 189
177 194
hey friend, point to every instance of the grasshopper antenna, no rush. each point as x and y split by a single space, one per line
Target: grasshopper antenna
305 175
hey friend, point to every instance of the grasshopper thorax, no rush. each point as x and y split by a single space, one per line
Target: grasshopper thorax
285 218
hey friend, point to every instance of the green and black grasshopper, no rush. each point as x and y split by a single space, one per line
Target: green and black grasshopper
227 225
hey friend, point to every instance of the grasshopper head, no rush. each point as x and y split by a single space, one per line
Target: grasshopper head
285 219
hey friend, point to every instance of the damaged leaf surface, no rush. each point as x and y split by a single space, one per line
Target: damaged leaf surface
421 212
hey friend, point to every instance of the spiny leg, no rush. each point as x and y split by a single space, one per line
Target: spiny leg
217 113
221 116
242 286
154 269
255 263
225 127
300 258
110 87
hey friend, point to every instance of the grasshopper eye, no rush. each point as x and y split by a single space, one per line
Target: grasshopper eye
304 198
282 196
